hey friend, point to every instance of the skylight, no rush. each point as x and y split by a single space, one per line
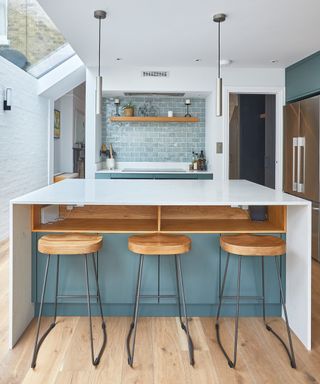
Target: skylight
29 39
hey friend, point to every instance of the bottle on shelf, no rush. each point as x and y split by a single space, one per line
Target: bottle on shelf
195 164
202 161
192 162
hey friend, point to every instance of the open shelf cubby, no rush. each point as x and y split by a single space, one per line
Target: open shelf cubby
166 219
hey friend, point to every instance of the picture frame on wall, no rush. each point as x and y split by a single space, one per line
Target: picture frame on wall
57 124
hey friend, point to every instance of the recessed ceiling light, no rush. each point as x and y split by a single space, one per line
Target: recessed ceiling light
197 60
224 62
274 61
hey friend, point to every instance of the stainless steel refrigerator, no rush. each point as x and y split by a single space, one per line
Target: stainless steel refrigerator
301 158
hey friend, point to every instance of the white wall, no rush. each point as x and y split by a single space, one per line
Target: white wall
202 80
67 105
63 161
23 139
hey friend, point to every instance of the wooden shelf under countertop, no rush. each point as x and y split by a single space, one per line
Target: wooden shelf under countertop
166 219
219 226
155 119
99 225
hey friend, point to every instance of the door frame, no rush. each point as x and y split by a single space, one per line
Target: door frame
279 93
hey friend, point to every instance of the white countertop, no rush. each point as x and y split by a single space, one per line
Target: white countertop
157 192
149 167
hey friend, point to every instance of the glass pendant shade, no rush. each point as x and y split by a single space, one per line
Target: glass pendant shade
98 95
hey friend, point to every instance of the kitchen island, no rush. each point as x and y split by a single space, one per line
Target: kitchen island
202 208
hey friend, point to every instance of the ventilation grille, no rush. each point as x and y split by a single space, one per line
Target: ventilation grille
155 74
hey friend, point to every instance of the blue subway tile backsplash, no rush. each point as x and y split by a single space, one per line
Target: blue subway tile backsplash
159 142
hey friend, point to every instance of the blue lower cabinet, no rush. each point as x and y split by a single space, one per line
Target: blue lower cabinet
162 176
118 272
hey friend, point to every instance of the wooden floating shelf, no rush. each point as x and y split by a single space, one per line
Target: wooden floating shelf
155 119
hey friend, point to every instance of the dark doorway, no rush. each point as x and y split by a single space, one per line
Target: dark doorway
252 138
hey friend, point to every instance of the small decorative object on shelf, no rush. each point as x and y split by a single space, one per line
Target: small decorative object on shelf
117 104
111 163
153 111
128 109
142 111
170 113
107 152
199 162
147 109
187 103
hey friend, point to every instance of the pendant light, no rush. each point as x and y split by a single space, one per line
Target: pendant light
219 18
100 15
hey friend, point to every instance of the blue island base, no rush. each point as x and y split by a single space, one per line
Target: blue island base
118 273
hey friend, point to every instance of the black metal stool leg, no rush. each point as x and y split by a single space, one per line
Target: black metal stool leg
222 290
158 279
263 292
231 364
282 299
178 291
103 324
89 306
37 344
219 274
57 287
185 325
133 325
237 315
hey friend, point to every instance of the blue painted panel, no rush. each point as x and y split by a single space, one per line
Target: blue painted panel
118 271
303 78
102 175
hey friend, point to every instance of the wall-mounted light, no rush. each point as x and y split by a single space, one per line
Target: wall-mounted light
219 18
117 104
7 99
187 103
100 15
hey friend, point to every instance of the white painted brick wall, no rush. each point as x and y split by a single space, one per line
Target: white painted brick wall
23 139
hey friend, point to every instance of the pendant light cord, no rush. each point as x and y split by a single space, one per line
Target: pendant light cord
219 43
99 45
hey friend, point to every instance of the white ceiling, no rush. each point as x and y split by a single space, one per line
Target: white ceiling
175 32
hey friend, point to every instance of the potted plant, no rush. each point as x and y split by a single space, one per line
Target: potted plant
128 109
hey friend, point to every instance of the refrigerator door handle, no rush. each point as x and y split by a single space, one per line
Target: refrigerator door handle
301 157
294 147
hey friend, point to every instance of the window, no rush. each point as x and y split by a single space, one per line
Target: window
3 22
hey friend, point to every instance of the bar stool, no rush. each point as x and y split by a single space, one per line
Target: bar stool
159 245
70 244
253 246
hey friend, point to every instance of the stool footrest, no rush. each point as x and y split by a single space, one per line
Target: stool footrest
75 296
258 298
158 296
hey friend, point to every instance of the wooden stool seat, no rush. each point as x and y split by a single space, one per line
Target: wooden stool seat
253 245
70 244
159 244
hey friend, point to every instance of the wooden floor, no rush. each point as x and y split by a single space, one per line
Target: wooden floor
161 350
